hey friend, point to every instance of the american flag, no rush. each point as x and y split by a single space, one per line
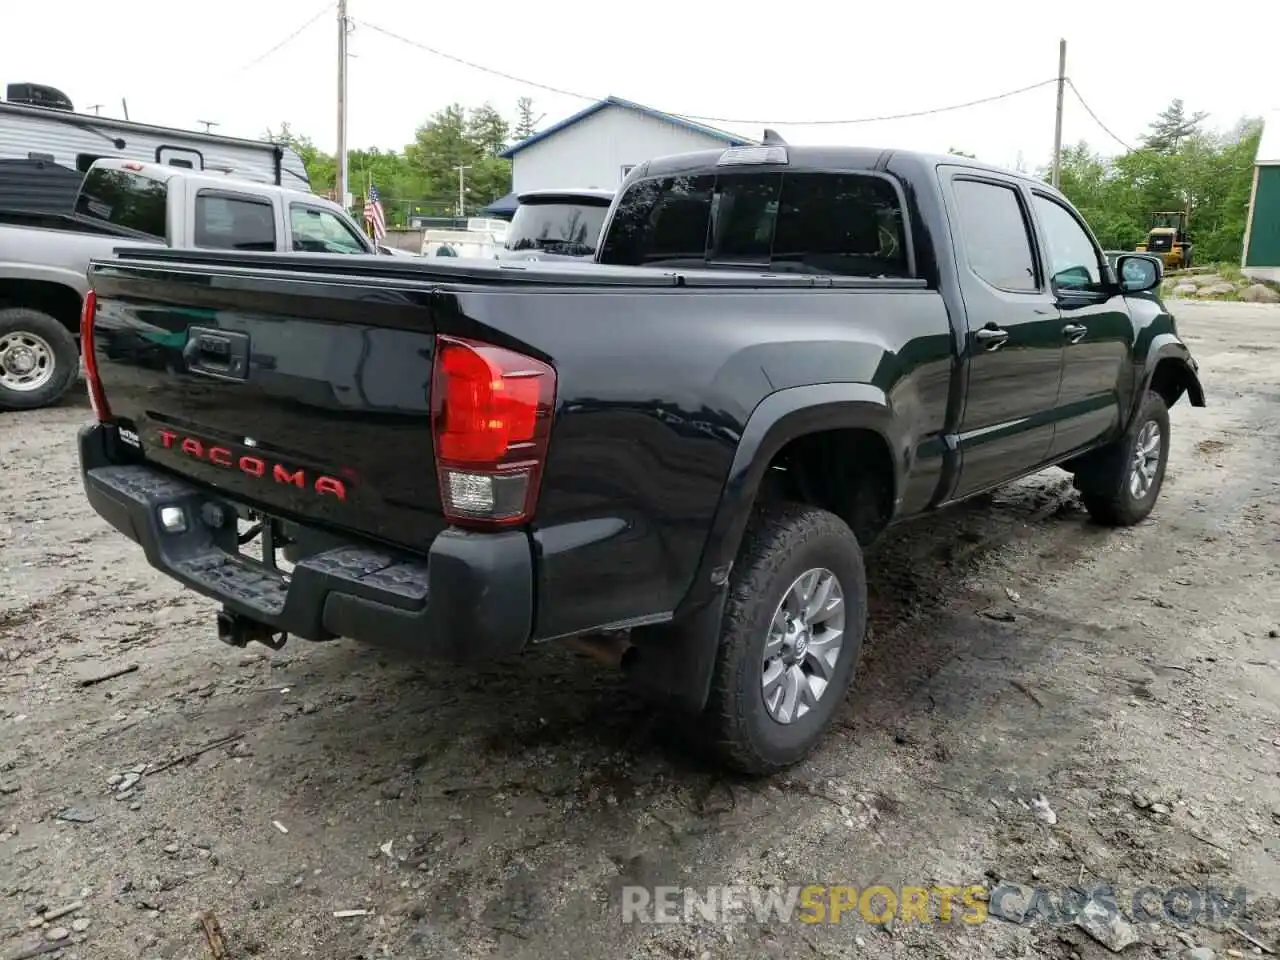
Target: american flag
373 214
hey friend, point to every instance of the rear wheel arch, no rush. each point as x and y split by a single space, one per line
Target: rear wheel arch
788 439
61 301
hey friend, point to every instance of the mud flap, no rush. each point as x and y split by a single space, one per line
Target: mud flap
674 662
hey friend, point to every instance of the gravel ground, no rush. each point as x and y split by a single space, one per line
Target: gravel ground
1131 679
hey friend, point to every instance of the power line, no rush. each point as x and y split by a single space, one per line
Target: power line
1089 110
474 66
888 116
257 60
524 81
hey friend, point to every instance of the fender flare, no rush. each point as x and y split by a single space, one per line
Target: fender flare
1167 347
778 419
61 276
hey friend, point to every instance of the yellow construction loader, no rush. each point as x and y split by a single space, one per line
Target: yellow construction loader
1168 237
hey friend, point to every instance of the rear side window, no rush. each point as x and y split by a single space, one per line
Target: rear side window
125 199
661 221
837 224
997 239
225 222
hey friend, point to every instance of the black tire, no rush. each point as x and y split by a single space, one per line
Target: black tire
783 542
1104 482
62 346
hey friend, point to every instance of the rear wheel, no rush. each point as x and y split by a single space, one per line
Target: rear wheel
38 359
790 639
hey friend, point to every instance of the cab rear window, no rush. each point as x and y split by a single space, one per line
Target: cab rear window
125 199
843 224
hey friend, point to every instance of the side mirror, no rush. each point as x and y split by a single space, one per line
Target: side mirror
1139 274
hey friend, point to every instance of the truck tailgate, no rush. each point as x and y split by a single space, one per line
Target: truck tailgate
255 385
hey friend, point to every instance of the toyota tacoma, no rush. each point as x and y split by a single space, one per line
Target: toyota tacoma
681 449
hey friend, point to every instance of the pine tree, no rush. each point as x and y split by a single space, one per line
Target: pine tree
525 122
1172 127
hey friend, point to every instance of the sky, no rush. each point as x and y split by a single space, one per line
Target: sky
745 65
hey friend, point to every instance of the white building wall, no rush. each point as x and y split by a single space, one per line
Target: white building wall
592 152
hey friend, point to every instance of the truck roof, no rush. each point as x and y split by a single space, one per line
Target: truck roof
819 158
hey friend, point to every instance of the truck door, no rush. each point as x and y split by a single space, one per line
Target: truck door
1096 330
1014 344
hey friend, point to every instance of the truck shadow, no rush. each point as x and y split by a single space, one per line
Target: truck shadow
551 708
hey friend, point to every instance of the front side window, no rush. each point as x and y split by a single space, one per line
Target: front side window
1073 259
233 223
321 231
996 234
836 224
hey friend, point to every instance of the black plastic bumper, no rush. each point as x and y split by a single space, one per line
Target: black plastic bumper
471 598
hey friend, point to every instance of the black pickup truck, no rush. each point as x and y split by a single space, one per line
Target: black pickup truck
681 449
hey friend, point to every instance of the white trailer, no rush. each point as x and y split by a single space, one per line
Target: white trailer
47 148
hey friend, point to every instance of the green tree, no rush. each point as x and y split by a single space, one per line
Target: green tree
1172 127
1206 175
957 152
455 137
526 123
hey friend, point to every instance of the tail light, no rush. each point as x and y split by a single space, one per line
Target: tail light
97 396
492 424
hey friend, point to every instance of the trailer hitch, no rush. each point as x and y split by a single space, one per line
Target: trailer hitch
239 631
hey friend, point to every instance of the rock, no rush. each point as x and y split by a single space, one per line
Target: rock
171 848
76 815
309 708
1106 926
1197 953
1043 811
1206 279
1141 800
1184 289
1259 293
10 787
80 924
57 933
1010 902
1216 290
1162 808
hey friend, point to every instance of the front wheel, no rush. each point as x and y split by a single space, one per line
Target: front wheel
790 639
1121 483
39 359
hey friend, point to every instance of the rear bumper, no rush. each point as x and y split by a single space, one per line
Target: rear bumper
471 598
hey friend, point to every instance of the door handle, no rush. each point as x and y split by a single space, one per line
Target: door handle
993 338
1074 332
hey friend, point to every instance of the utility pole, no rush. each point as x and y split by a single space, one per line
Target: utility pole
1057 124
342 103
462 191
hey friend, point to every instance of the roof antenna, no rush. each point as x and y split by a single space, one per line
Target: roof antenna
771 138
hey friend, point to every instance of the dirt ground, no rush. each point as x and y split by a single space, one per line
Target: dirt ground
1131 679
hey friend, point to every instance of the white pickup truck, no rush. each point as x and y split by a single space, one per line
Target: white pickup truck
44 256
